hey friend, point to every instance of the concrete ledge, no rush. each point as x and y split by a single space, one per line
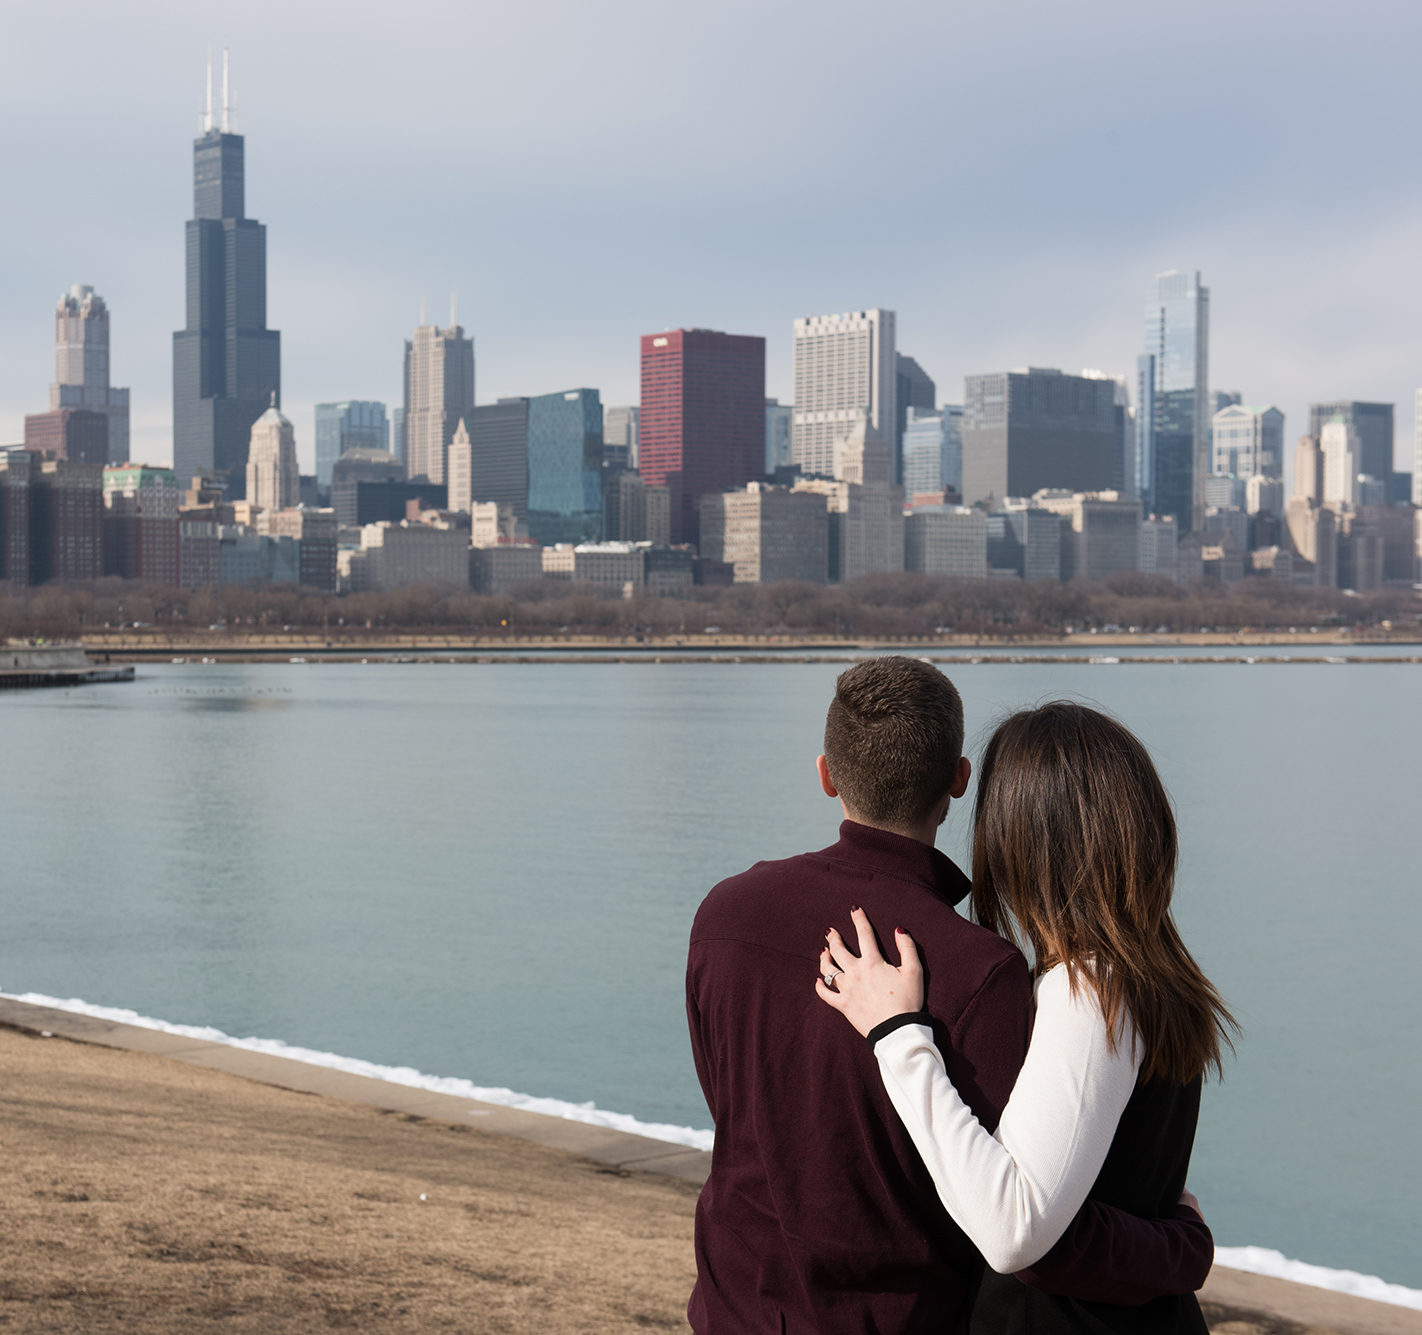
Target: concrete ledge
1273 1305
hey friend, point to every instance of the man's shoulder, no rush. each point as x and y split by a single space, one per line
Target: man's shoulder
748 904
746 890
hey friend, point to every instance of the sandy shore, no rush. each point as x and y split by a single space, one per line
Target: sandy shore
157 1193
146 1194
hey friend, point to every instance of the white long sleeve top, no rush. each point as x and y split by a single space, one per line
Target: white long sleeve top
1014 1192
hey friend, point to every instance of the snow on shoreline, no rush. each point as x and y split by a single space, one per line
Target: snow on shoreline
397 1075
1254 1260
1265 1261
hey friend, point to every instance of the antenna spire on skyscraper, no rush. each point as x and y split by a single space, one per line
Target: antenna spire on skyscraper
226 96
207 106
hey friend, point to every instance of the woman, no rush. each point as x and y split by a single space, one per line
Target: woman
1074 841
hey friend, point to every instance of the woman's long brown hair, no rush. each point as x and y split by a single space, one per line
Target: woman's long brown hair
1074 839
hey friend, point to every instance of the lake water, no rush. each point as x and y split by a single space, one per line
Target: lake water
490 872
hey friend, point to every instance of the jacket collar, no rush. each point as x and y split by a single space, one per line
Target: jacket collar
898 855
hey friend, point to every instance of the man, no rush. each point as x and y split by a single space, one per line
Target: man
818 1214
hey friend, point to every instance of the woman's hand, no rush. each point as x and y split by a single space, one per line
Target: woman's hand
866 989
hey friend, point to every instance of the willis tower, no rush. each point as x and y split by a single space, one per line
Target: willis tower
226 363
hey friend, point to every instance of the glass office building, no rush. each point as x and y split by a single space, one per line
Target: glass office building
933 451
564 467
1173 414
344 426
226 362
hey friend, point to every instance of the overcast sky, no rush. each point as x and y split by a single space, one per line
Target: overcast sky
1007 176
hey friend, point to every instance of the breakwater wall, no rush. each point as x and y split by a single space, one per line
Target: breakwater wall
65 664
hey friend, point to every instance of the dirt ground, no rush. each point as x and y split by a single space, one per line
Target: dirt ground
140 1193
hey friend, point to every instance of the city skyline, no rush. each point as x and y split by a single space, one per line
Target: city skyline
556 294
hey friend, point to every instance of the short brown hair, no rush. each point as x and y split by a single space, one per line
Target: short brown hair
1074 839
893 739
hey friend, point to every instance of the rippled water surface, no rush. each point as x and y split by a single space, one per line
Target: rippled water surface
490 871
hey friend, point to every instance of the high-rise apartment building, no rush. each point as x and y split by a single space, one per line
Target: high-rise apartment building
77 434
273 479
439 391
1173 401
344 426
619 436
1037 428
564 467
66 521
1372 427
140 523
1248 442
702 424
226 362
81 366
16 470
846 372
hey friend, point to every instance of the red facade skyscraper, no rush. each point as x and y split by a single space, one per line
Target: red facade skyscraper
702 425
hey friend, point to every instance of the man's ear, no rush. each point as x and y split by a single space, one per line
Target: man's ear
822 768
960 779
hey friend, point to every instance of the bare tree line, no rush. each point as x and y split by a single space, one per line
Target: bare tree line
876 606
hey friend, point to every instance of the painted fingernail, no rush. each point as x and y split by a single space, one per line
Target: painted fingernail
854 908
900 931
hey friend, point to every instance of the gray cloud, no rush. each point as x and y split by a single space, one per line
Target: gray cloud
1006 177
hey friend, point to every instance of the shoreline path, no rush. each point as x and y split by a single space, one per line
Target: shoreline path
166 1184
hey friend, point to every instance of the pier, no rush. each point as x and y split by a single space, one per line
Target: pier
35 665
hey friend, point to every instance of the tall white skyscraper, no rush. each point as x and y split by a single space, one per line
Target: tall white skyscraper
439 390
1339 443
461 471
81 365
273 479
845 374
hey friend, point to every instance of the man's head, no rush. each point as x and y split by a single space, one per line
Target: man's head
894 745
